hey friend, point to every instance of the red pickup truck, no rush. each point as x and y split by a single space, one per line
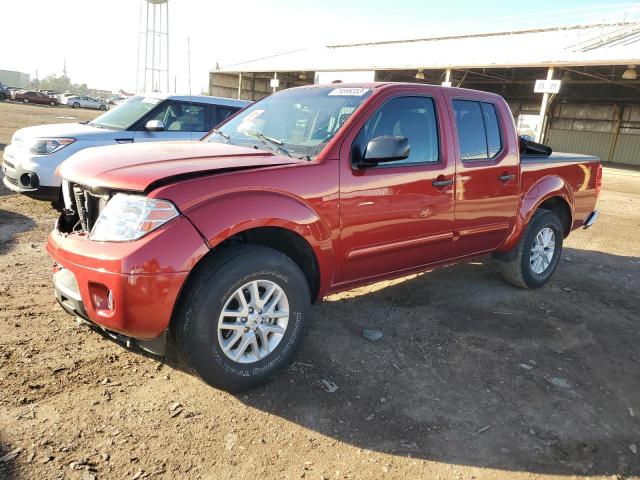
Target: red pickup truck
216 249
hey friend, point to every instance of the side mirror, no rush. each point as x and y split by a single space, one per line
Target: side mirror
385 149
154 126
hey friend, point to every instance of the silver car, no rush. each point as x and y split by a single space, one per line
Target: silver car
82 101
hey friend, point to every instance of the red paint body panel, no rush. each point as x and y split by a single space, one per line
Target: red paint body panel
362 225
145 276
140 164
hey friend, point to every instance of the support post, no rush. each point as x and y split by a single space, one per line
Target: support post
275 78
239 85
543 108
616 133
447 78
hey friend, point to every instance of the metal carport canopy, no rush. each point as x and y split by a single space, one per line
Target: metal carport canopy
602 44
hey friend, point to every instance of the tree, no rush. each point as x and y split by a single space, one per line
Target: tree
60 84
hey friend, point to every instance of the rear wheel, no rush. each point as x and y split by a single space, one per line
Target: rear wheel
537 255
52 103
243 317
76 105
25 100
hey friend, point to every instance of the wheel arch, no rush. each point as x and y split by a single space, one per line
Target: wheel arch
550 193
280 221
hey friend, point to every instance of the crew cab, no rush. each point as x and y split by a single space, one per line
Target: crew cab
215 250
31 159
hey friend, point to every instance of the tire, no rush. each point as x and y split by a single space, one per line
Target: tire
200 342
103 108
76 105
3 97
526 269
52 103
25 100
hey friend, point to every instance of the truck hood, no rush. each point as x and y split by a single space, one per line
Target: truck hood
69 130
137 167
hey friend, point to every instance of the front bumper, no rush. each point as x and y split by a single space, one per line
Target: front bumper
32 175
68 295
591 219
144 277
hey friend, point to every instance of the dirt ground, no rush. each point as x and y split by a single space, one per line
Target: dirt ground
473 379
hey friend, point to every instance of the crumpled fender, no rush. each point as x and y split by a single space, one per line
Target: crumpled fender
221 217
538 193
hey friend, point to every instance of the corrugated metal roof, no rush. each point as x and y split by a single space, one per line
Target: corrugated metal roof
604 44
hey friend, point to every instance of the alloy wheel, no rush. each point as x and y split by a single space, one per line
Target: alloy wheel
253 321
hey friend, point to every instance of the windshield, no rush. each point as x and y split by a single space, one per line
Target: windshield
296 122
126 114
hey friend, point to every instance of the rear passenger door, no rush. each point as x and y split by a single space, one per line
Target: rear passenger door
487 173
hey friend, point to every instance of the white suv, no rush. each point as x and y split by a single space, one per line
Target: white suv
30 161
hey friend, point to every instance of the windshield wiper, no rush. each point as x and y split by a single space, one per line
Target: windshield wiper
227 138
269 141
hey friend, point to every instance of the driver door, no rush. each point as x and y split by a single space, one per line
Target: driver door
393 216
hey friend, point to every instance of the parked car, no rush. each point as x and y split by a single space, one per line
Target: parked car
62 98
30 161
83 101
5 93
30 96
222 245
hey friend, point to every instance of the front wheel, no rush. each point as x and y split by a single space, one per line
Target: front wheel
52 103
243 317
25 100
76 105
537 255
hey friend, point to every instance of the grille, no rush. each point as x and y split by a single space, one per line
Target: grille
87 205
9 164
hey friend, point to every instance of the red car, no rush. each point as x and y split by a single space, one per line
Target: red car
218 248
29 96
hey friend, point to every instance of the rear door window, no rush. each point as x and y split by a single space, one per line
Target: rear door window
492 127
478 130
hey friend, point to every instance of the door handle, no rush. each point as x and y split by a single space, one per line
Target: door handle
442 183
506 177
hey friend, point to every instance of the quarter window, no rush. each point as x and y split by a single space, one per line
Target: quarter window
478 130
411 117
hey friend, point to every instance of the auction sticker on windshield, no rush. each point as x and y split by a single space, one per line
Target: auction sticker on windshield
248 121
348 92
150 100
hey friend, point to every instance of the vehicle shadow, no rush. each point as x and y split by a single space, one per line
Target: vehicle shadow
8 469
472 371
11 224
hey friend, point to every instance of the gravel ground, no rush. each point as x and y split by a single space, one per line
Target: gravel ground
473 378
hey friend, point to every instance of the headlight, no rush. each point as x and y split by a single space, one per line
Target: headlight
130 217
46 146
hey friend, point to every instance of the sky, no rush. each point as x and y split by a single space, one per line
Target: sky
99 40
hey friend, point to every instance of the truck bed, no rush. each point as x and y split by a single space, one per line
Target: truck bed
558 157
579 172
